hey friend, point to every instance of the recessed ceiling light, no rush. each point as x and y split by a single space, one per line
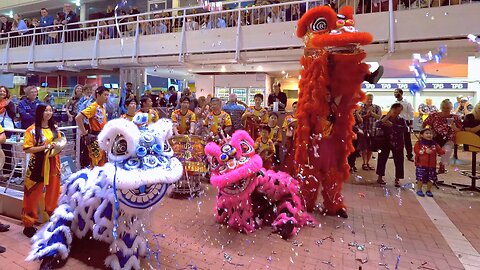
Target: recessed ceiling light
283 71
189 70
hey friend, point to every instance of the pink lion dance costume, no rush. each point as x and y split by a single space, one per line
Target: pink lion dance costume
248 195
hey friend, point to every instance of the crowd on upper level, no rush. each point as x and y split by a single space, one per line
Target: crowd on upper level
127 24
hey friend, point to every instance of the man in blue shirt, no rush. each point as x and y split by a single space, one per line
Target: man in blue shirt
27 107
235 111
45 20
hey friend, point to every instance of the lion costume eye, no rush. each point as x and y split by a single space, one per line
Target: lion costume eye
213 162
119 147
246 148
319 25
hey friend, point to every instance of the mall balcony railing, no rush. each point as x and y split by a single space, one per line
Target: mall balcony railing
16 160
182 20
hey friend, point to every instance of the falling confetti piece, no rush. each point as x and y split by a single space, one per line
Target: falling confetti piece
398 237
291 260
362 261
328 263
297 243
361 195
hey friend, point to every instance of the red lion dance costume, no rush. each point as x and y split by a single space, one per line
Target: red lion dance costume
329 92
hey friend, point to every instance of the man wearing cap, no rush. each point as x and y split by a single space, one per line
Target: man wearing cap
463 107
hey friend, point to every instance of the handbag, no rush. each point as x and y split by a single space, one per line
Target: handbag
8 124
379 140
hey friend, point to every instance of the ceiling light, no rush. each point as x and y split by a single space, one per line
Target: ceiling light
223 69
283 71
189 70
259 68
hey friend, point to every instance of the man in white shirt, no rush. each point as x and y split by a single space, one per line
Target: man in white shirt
407 114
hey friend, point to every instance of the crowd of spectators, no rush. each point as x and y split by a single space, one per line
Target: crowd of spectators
133 23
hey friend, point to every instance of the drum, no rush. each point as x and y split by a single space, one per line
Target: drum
189 149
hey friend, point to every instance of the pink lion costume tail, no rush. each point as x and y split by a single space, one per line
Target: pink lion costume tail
250 196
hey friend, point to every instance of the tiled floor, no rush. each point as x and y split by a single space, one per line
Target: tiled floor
379 216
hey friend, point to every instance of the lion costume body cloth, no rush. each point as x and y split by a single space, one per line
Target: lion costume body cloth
329 90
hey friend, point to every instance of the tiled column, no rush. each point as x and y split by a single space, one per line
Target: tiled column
134 75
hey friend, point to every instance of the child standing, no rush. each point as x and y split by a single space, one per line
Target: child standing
265 147
275 136
426 151
255 116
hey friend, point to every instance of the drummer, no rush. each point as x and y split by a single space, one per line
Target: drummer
146 106
42 170
184 119
255 116
97 118
217 119
131 105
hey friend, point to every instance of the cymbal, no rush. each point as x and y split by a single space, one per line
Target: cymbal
58 145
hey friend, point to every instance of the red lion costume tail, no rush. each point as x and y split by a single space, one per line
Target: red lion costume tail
330 88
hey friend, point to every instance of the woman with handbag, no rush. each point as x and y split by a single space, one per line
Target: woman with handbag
392 126
43 171
444 125
7 116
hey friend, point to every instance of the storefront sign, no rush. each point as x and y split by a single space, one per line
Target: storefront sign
393 86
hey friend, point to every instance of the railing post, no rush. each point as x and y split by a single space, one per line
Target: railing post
391 37
94 62
77 148
239 24
31 60
135 41
5 54
63 45
181 57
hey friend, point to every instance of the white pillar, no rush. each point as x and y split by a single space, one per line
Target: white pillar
83 12
136 76
474 76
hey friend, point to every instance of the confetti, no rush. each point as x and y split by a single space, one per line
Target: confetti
362 261
297 243
328 263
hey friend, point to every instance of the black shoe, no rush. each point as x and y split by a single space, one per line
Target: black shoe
286 229
375 76
29 231
4 227
410 159
47 263
342 213
2 249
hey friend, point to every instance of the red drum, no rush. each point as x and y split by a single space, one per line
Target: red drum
189 149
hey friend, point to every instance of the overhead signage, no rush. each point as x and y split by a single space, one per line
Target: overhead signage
393 86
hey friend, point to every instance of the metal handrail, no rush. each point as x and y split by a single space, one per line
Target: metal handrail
84 25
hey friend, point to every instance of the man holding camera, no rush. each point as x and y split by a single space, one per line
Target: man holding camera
462 107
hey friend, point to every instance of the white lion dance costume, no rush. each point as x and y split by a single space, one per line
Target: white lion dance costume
141 167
